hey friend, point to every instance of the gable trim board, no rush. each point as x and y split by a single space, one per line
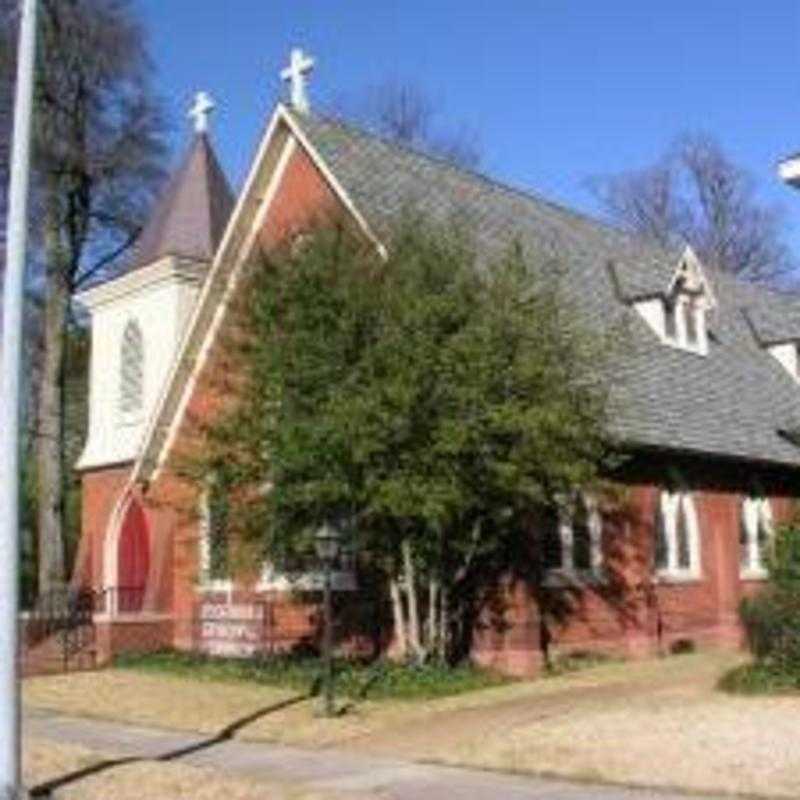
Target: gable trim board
286 153
152 456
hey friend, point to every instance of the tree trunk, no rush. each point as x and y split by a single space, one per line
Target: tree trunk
399 619
414 636
444 623
433 615
49 427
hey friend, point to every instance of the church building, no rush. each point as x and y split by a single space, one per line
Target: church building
707 409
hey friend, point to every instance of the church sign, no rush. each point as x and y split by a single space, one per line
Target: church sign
232 630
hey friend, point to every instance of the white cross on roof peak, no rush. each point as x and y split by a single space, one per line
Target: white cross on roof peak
201 111
300 65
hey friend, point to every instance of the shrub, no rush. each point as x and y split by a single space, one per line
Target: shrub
358 680
772 619
772 624
759 678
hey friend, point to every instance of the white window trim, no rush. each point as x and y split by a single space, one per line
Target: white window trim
755 511
670 503
680 341
567 572
206 583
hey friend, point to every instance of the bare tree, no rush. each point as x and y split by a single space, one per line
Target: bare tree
98 150
695 194
404 113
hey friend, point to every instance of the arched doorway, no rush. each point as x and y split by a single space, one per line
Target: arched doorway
133 560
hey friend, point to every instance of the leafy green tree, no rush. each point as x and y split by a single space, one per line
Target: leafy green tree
428 400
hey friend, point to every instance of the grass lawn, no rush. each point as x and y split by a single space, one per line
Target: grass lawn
45 760
656 723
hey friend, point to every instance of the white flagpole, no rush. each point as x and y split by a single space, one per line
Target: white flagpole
16 241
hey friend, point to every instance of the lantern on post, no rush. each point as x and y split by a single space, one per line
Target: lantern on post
328 544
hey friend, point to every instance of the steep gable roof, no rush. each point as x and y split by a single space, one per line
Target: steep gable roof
189 217
735 402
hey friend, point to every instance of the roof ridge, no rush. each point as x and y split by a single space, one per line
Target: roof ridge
523 192
652 248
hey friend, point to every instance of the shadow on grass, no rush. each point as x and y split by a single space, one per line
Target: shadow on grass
44 790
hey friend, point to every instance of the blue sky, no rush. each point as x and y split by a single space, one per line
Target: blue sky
555 90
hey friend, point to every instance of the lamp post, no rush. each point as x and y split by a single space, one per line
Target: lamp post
327 544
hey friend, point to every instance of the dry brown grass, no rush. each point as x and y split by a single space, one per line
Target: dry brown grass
45 761
656 722
665 726
181 704
147 699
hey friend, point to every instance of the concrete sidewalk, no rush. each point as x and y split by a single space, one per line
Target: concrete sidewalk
321 769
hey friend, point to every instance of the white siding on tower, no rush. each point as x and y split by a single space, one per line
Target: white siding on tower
158 299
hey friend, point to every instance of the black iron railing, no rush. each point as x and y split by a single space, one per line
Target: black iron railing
66 613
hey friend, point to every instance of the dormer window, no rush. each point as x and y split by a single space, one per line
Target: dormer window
678 314
690 324
670 320
684 321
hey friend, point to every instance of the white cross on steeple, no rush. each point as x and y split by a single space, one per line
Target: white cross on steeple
201 110
300 65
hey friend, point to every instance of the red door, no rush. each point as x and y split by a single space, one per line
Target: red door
133 560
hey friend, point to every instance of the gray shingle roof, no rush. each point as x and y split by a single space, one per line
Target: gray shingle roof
733 402
774 317
189 217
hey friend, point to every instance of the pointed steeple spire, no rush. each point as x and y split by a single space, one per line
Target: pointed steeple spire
189 217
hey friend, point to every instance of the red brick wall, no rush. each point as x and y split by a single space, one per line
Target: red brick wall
100 492
631 613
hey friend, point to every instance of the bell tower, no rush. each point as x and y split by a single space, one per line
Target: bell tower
138 318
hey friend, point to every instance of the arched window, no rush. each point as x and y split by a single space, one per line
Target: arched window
676 535
572 537
670 320
552 547
581 536
661 543
214 538
131 376
755 535
690 323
